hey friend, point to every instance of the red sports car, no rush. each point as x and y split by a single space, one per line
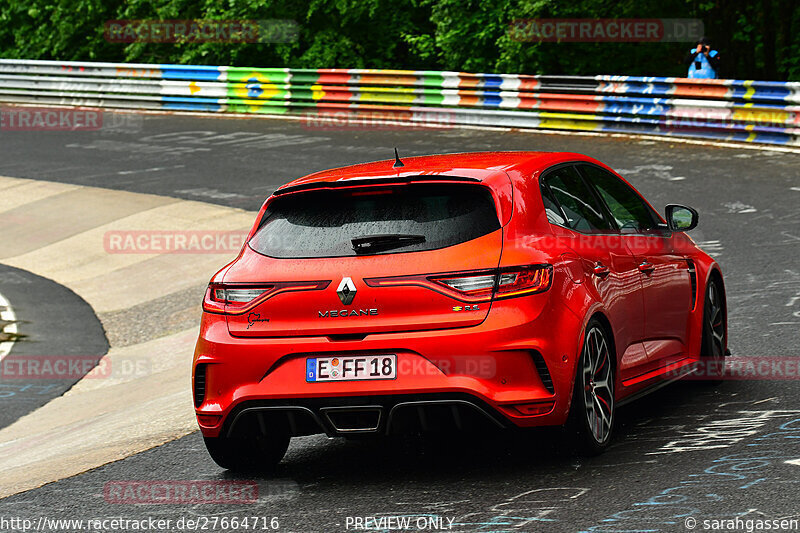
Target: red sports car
451 292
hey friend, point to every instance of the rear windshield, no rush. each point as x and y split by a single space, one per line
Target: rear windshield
403 219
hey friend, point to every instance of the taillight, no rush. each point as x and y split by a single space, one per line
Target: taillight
237 299
480 285
524 280
220 298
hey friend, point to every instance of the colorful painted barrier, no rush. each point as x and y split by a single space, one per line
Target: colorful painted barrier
737 110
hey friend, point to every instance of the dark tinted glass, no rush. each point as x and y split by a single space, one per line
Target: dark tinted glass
323 223
576 199
551 209
629 211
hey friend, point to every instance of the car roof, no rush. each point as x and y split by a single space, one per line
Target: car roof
471 166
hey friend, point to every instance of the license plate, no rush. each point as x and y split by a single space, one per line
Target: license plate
351 368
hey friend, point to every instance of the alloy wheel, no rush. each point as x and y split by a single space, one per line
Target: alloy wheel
598 384
715 320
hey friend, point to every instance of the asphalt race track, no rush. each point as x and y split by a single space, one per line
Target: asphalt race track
51 320
688 452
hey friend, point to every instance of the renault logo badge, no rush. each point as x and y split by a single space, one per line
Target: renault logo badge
346 291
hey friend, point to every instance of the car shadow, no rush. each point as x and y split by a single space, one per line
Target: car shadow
494 454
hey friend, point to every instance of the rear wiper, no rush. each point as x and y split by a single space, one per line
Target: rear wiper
379 243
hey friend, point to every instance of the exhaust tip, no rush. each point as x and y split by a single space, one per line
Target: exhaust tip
362 419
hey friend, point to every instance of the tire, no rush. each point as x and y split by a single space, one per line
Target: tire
590 425
713 344
254 454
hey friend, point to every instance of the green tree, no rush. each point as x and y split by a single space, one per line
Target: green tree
757 39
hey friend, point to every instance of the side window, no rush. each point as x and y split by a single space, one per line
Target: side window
577 201
629 211
551 209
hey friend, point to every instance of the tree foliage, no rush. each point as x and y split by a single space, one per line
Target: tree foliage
758 39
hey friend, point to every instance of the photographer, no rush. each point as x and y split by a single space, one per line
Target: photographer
702 60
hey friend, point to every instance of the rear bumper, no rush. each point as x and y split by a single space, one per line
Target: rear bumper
514 369
385 415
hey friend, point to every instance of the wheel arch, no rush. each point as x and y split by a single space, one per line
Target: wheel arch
577 424
606 323
599 314
715 273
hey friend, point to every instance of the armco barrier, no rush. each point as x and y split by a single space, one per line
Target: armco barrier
734 110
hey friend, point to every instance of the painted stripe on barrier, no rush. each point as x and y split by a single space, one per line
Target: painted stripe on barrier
190 72
767 111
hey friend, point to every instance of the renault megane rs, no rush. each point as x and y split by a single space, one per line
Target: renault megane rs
452 292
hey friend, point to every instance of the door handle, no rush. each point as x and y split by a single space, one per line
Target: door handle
600 270
646 267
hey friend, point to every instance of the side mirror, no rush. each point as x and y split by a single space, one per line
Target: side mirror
680 217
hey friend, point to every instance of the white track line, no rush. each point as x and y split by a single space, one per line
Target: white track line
7 315
577 133
574 133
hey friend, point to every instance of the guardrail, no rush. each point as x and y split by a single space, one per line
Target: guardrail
734 110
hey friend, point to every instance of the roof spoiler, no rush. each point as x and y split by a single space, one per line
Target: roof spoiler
393 180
